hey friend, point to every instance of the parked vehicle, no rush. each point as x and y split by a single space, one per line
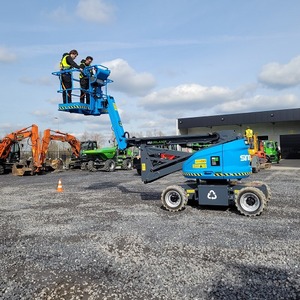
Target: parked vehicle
81 160
108 159
272 151
10 152
258 156
214 174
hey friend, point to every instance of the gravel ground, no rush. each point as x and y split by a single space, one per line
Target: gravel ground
107 237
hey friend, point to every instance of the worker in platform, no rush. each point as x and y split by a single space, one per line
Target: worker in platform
249 132
249 135
67 63
84 80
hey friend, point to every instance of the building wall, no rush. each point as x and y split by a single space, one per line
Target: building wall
278 132
272 130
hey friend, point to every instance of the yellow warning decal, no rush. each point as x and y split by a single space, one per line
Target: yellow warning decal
232 174
190 191
219 174
143 167
200 164
115 106
75 106
192 174
200 161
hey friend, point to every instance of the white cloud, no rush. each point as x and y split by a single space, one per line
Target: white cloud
95 11
60 14
128 80
187 97
192 100
281 75
6 56
258 103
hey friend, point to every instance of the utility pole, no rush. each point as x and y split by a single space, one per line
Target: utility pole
56 118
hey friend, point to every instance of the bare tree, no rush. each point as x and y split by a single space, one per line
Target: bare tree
154 133
98 137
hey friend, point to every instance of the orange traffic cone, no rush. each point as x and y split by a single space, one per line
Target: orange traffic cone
59 186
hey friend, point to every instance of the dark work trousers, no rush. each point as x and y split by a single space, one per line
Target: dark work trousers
66 80
84 84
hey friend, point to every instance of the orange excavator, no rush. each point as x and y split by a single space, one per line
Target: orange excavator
50 135
10 152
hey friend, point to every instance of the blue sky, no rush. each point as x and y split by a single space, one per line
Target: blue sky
169 59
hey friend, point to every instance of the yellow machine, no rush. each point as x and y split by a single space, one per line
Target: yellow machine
256 150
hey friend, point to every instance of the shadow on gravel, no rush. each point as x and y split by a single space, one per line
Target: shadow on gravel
254 282
195 205
101 185
152 196
231 208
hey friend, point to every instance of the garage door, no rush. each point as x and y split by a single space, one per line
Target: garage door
290 146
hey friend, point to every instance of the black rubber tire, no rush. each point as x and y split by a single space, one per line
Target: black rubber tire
174 198
109 165
127 164
250 201
83 166
2 170
269 193
91 166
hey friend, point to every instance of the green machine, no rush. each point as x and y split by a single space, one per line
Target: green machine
108 159
272 151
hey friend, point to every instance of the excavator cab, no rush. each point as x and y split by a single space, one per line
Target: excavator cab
15 153
97 90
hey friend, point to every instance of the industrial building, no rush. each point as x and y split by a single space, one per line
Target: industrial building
282 126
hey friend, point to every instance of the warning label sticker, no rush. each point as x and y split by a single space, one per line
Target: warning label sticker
200 164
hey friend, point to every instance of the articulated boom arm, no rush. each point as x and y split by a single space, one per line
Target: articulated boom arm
100 101
160 155
181 140
10 139
158 160
50 135
120 134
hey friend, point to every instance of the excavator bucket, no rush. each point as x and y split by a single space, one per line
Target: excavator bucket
57 164
21 169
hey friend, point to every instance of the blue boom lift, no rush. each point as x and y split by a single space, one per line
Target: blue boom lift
214 173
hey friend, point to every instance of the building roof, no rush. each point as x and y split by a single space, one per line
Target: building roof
271 116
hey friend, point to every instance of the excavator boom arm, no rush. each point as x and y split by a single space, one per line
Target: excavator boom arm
31 132
50 135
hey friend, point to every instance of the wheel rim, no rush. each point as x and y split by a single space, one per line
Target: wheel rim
250 202
173 199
